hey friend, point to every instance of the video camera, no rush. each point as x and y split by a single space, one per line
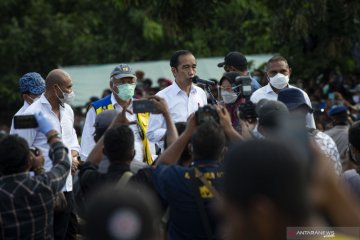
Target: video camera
206 114
247 111
244 86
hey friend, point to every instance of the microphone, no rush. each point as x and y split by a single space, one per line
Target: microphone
196 79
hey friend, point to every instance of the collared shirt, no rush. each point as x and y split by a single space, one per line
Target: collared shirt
174 185
88 142
340 134
27 202
64 126
180 106
268 93
328 147
21 110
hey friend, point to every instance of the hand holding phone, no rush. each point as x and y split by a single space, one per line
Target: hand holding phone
144 106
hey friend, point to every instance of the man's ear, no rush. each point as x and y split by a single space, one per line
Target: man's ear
174 71
290 71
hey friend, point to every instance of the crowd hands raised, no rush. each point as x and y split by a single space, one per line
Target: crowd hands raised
242 167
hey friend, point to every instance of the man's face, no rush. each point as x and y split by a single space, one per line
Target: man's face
186 69
65 87
118 82
278 67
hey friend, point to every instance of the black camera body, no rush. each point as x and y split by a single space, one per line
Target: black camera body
247 110
244 83
206 114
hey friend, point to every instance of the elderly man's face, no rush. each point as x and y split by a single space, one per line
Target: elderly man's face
274 68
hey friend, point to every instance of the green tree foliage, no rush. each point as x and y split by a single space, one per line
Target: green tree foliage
315 34
39 35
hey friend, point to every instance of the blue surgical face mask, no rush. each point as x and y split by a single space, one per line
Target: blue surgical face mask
126 91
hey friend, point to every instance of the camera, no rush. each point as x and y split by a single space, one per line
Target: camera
247 111
244 83
206 114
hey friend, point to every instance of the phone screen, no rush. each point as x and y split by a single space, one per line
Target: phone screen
144 106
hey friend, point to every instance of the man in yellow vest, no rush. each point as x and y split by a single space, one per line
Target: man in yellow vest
122 85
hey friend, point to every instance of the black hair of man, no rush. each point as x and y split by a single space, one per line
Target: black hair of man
277 58
354 135
174 60
15 154
119 144
122 213
260 169
208 141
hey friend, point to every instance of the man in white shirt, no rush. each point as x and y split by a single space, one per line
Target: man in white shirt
182 97
53 104
278 74
31 86
122 85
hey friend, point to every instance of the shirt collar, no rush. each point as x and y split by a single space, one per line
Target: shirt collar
44 100
269 89
177 89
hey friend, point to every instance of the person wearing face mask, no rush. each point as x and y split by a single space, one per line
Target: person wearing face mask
54 104
278 75
230 94
237 62
31 86
122 84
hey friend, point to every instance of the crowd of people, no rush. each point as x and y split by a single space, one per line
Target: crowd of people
244 156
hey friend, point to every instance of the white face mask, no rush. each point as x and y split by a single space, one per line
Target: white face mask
68 97
279 81
228 97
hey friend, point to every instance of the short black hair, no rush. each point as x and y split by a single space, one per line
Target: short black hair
14 152
174 60
119 144
354 135
260 168
208 141
276 58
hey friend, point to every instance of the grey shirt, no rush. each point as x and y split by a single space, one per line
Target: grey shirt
340 134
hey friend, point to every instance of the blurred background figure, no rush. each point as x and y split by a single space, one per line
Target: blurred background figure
122 214
163 83
339 131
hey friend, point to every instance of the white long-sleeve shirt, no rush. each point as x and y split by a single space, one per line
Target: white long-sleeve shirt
64 126
180 106
268 93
